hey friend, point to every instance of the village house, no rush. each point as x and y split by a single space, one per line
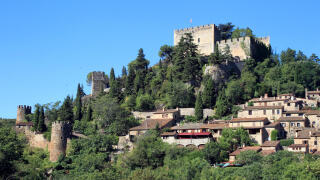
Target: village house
270 147
271 112
309 137
292 124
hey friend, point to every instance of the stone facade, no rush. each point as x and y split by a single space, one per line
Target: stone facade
207 36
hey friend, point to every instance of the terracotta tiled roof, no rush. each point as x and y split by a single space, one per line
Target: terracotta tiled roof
215 126
263 107
272 125
267 152
24 124
298 145
305 133
151 124
270 144
291 118
247 148
249 119
187 126
269 99
294 112
312 112
168 133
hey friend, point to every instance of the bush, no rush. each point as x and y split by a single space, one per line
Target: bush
286 142
190 119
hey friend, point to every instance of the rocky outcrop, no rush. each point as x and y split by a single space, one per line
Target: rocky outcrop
222 72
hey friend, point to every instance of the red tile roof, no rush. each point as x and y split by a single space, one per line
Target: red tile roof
215 126
291 118
263 107
270 144
151 124
247 148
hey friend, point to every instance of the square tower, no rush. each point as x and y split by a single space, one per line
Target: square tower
204 36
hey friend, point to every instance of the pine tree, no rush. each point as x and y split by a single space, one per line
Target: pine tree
65 112
78 103
41 125
199 107
36 117
115 90
208 95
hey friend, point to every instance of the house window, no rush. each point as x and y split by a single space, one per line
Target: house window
184 130
250 112
264 112
278 111
198 40
165 137
304 142
288 104
283 124
292 124
313 124
298 124
295 104
300 114
315 143
288 114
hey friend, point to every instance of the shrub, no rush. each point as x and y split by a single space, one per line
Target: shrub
286 142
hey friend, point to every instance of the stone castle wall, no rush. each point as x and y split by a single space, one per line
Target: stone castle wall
34 139
203 36
240 48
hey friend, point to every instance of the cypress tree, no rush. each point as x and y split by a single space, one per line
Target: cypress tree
208 96
65 112
89 114
41 125
130 81
199 107
36 118
78 103
124 71
112 76
223 105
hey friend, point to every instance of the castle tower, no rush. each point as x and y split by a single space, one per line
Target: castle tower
58 144
99 82
204 36
22 111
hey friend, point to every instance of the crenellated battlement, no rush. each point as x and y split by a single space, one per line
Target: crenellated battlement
227 41
196 28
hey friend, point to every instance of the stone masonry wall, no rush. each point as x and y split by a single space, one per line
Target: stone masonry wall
58 142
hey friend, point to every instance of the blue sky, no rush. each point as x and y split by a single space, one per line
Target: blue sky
48 47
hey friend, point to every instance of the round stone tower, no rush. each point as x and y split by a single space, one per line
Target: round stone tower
22 111
58 144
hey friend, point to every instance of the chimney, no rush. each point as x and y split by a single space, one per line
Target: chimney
266 95
306 92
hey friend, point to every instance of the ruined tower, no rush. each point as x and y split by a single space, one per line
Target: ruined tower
59 135
99 82
22 111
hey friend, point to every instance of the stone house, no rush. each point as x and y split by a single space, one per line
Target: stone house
315 95
292 124
309 137
215 129
270 147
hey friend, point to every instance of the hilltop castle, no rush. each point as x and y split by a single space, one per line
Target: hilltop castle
208 36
